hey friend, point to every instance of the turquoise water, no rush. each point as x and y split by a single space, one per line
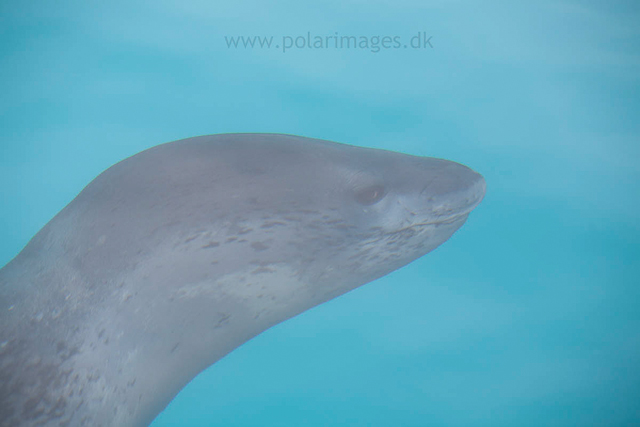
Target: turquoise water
528 316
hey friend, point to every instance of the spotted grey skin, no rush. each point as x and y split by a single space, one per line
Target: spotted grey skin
172 258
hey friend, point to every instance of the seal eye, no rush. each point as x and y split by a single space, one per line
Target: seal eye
370 195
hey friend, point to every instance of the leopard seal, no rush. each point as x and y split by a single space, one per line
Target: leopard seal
173 257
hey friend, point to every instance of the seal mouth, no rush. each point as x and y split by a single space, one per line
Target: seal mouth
462 217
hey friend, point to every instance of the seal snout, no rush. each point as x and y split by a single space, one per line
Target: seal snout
452 190
475 191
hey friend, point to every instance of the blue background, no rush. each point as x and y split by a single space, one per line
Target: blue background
528 316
